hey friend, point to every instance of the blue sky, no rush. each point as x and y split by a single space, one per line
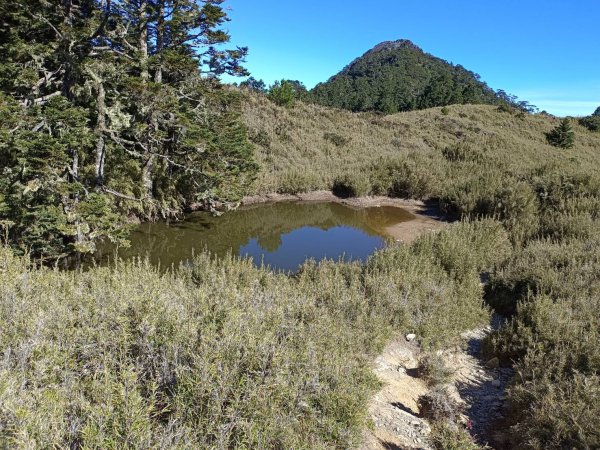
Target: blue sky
544 51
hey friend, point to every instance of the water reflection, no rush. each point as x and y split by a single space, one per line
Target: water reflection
282 235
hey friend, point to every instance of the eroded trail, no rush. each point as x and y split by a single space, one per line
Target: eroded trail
394 409
477 384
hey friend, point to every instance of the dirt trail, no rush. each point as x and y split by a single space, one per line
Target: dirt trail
477 384
480 386
394 409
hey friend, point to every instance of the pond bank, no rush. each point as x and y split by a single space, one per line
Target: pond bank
427 217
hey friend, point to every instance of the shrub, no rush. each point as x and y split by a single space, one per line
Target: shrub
336 139
433 369
261 138
445 111
439 406
445 436
351 185
296 182
592 123
406 178
461 152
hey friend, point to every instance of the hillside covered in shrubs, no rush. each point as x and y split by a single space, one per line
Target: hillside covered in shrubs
480 162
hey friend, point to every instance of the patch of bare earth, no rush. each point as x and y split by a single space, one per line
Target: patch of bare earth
394 410
478 385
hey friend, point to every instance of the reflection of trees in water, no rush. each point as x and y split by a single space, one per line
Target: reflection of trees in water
171 243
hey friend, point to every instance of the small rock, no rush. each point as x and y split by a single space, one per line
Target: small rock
496 383
493 363
411 337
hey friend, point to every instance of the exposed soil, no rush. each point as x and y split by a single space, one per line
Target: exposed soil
427 217
479 387
394 409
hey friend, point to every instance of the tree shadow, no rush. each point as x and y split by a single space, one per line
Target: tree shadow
391 446
404 408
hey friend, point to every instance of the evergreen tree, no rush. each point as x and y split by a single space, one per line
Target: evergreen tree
563 135
597 112
113 108
255 85
282 93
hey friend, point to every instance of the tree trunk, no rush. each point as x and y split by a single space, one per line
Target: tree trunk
160 39
100 128
148 163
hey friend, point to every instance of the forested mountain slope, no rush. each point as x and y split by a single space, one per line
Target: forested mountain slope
399 76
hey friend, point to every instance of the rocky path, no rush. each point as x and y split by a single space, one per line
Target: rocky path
480 385
394 409
477 384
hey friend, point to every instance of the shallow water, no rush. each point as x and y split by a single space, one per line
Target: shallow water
279 235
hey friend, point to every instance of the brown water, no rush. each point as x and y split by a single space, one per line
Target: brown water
279 235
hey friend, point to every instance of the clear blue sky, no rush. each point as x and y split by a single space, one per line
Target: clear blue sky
544 51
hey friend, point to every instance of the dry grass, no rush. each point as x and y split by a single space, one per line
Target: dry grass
220 354
297 143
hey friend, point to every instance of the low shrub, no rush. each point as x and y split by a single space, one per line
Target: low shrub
433 369
351 185
295 182
592 123
439 406
412 177
445 436
463 152
336 139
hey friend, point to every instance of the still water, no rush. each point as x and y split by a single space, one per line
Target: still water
279 235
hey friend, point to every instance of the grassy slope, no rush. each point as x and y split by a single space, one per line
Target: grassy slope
223 355
293 143
480 161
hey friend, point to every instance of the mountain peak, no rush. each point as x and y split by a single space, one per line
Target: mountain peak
399 76
394 45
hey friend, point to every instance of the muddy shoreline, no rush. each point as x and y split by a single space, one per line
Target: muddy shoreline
427 217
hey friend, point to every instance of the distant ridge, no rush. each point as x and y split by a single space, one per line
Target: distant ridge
399 76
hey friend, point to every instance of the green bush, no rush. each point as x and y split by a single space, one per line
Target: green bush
351 185
463 152
336 139
433 369
592 123
446 436
296 182
413 177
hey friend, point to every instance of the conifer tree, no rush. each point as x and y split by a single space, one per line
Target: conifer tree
563 135
113 108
